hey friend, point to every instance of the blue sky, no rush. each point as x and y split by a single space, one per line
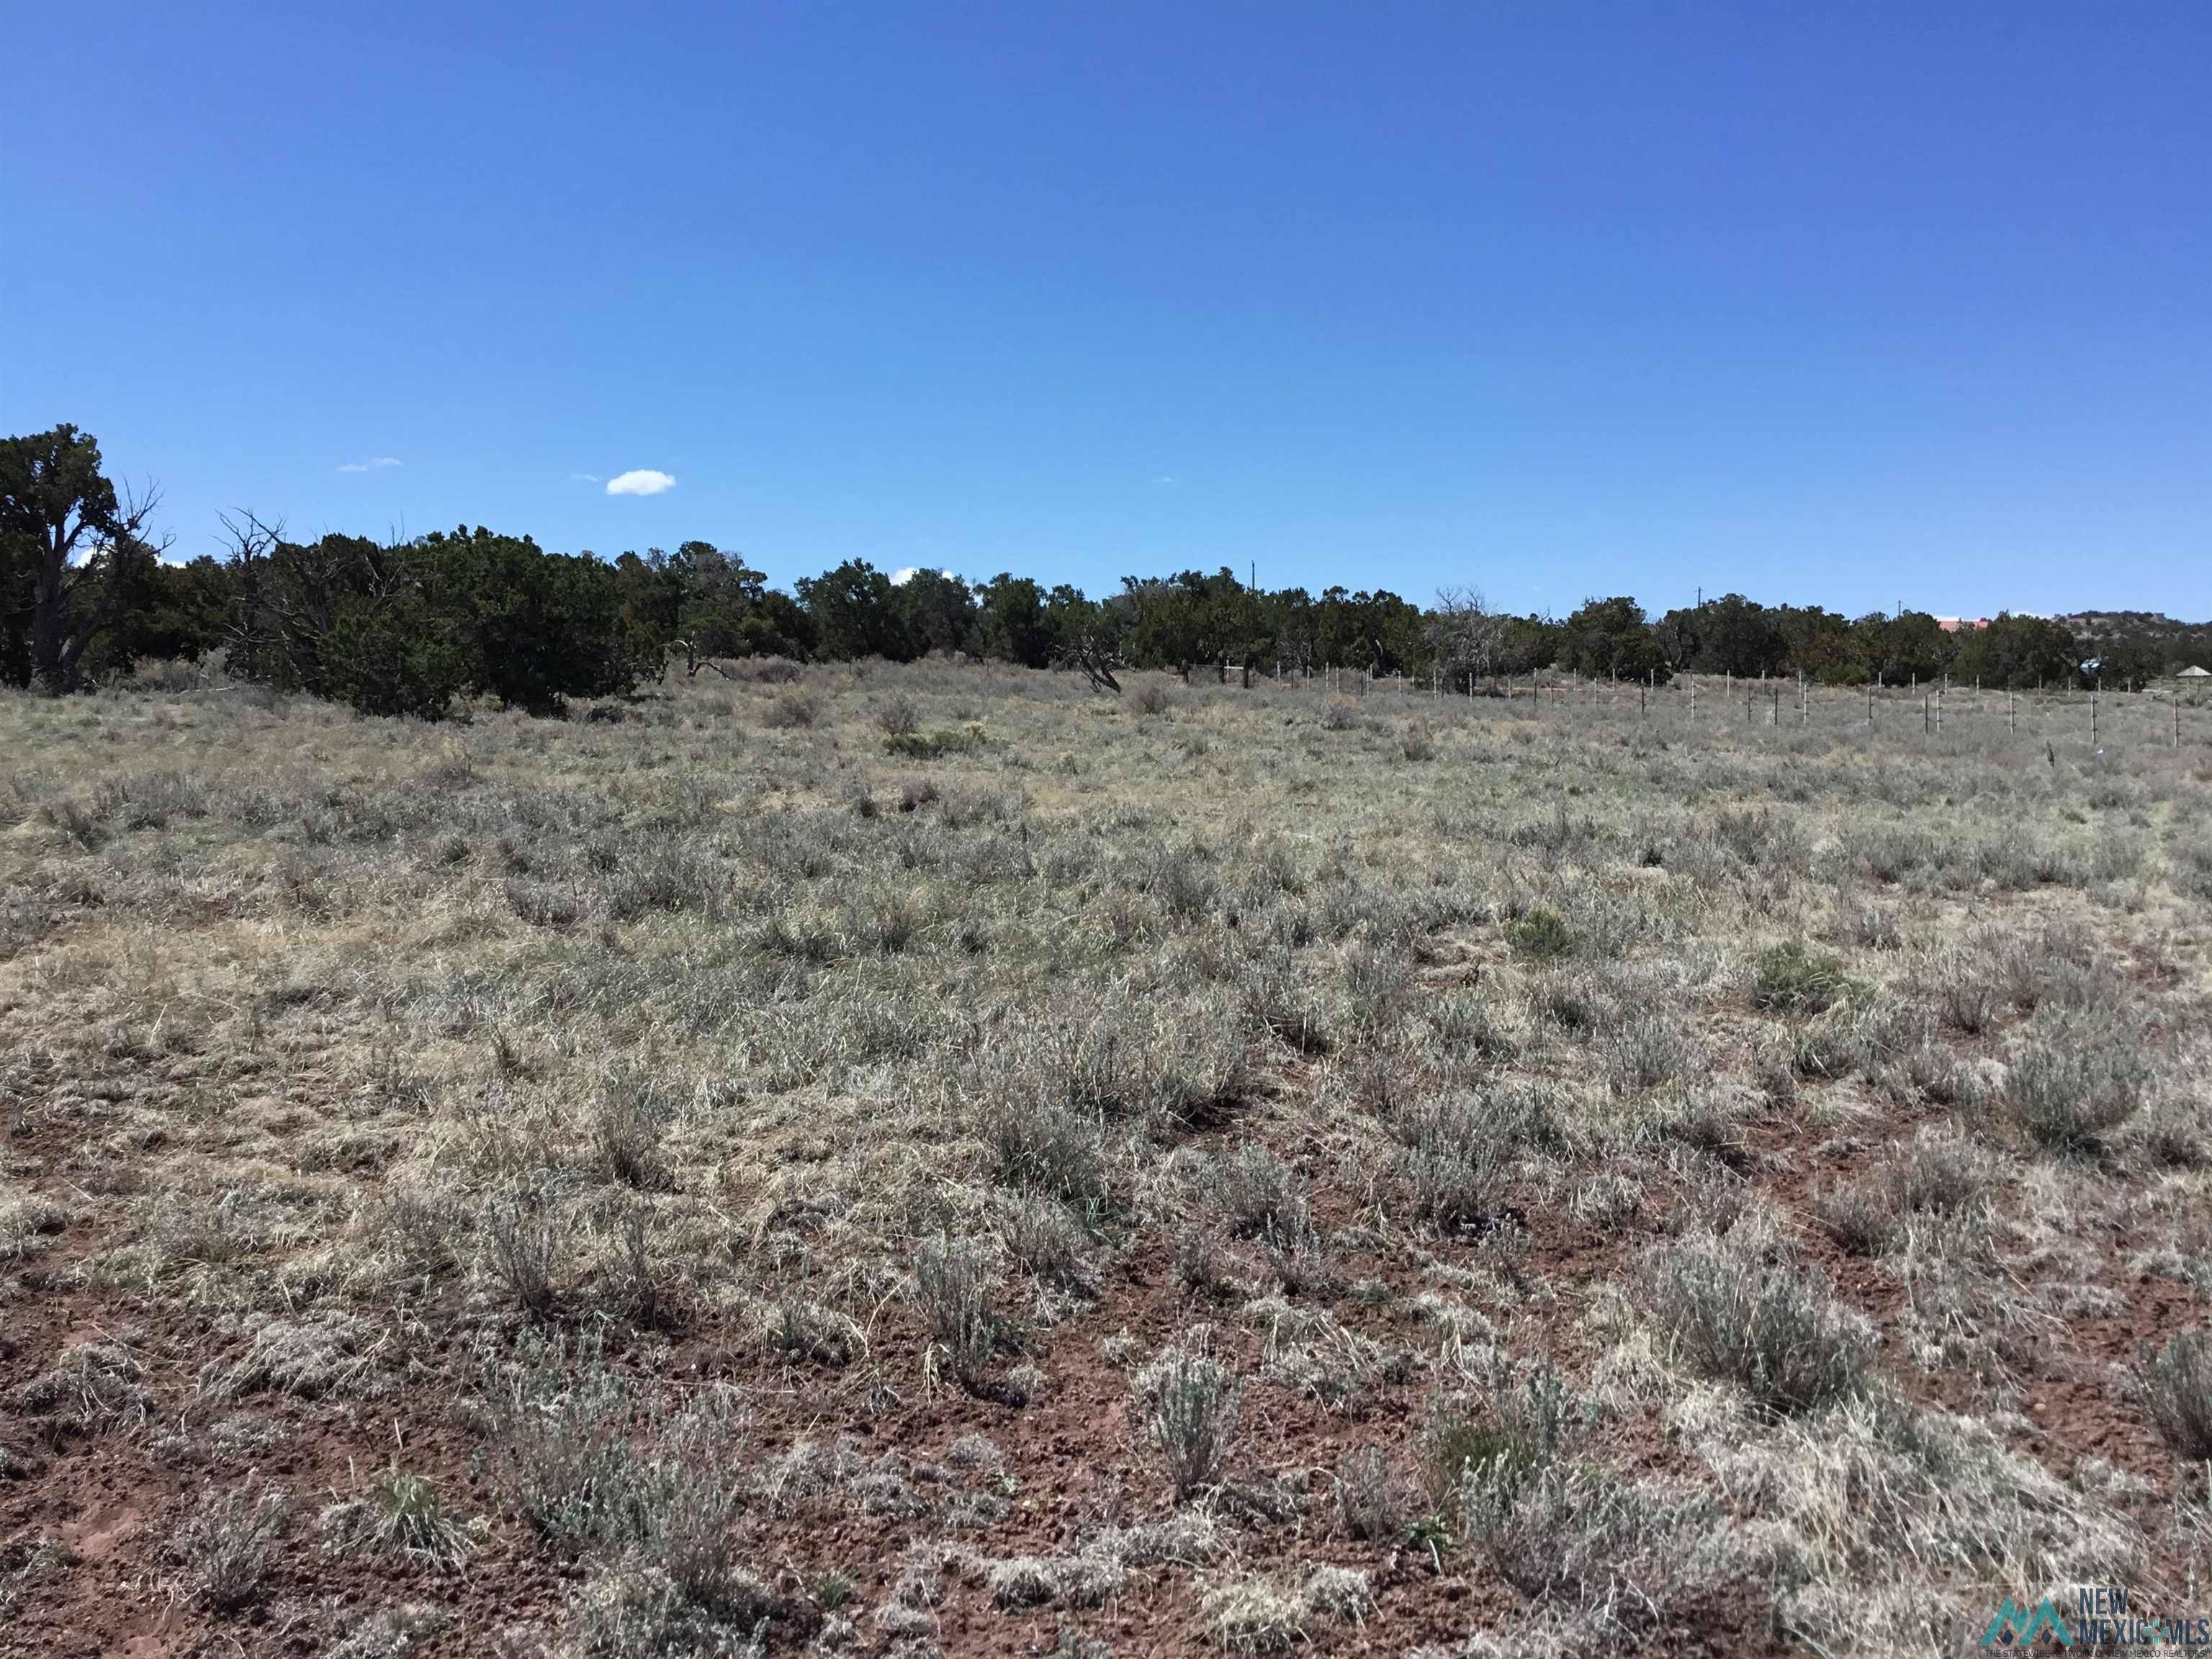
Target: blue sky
1842 305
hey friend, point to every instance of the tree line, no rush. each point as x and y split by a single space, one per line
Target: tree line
411 628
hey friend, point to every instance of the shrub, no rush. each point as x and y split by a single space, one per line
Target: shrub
2071 1086
1192 1405
1741 1314
792 708
563 1430
2176 1389
1793 978
1455 1160
523 1238
1371 1499
1150 698
897 715
1417 743
1542 932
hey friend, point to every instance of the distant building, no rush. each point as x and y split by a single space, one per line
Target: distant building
2193 672
1952 624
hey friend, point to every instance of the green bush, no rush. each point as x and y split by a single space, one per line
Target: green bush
1795 979
929 746
1543 933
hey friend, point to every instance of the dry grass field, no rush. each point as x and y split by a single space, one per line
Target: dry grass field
865 1160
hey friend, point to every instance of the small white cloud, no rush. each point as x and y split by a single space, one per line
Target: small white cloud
1163 477
374 464
584 477
643 481
906 574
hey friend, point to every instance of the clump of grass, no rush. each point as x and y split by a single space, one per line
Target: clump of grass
564 1430
1740 1312
630 1121
1648 1051
1860 1216
1042 1148
1203 1265
1251 1615
1794 979
1340 1593
1262 1194
1150 698
799 1329
2176 1389
951 1282
314 1356
1023 1581
1487 1449
1191 1404
1044 1236
229 1543
400 1515
94 1388
1941 1174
